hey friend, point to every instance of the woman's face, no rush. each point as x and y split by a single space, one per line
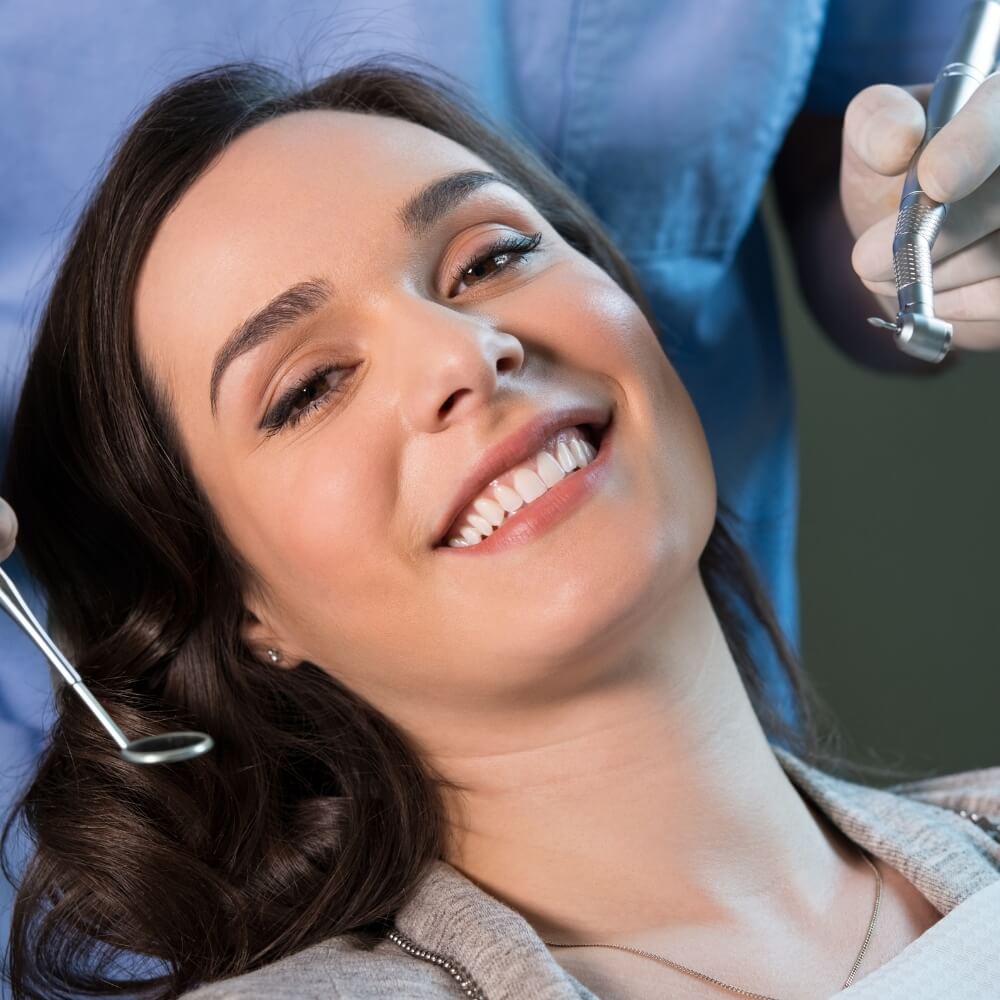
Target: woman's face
337 491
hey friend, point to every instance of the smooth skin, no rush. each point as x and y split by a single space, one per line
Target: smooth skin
620 787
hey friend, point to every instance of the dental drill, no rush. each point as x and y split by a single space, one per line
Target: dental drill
972 57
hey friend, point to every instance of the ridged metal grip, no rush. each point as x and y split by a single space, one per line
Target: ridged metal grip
971 58
917 228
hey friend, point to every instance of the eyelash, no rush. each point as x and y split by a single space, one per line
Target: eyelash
283 413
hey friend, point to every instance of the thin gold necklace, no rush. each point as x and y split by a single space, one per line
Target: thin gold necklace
736 989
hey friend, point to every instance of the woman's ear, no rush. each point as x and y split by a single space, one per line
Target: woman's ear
266 644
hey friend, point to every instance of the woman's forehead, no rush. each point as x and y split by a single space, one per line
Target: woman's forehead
323 170
303 191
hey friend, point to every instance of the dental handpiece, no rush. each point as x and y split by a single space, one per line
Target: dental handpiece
971 59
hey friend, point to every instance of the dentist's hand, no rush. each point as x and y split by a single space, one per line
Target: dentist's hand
8 529
883 126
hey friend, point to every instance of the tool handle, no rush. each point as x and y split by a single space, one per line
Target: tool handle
17 608
971 59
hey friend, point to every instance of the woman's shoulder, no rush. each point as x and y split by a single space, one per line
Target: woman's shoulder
335 969
976 793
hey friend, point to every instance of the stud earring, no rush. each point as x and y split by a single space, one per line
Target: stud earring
273 655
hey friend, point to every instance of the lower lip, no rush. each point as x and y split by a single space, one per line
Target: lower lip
534 519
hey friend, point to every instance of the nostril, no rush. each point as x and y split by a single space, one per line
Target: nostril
448 404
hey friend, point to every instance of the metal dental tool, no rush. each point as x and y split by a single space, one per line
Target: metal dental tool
163 749
971 59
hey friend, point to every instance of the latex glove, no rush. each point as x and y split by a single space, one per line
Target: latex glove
8 529
883 126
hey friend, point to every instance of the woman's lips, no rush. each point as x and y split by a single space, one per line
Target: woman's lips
517 447
537 517
505 482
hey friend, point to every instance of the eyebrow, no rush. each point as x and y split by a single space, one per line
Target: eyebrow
305 299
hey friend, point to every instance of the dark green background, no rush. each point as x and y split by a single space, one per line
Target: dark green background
899 546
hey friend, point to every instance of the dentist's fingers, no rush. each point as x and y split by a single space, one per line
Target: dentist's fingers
883 125
8 529
967 335
973 336
973 303
967 149
975 216
971 310
979 261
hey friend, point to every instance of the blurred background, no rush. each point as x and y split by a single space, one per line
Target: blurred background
899 545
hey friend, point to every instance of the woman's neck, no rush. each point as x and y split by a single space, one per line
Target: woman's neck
650 803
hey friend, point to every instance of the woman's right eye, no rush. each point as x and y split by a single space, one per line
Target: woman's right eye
302 399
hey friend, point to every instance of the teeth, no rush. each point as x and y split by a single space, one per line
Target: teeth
566 459
481 524
491 510
527 485
509 500
549 469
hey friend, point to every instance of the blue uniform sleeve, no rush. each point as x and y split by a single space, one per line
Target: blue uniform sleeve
880 41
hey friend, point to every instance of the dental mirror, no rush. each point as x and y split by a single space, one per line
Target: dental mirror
165 748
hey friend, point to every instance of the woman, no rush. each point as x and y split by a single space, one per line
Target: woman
473 704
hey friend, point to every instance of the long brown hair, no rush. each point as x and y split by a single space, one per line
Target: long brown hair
313 816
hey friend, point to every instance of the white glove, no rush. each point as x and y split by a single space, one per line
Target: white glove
883 125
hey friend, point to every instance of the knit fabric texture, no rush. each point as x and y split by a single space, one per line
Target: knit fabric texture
493 953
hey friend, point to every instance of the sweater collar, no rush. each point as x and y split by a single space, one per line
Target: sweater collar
946 857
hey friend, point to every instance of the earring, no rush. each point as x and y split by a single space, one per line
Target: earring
273 655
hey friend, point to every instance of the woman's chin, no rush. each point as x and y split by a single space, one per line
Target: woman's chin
586 595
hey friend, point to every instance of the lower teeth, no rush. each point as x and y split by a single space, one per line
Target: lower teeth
461 543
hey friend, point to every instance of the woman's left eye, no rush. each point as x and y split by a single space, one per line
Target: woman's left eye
504 253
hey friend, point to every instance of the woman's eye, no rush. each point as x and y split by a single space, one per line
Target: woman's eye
306 396
314 392
504 253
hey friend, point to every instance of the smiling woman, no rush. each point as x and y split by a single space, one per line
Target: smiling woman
297 333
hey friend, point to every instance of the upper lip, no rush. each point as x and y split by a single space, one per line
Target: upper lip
524 443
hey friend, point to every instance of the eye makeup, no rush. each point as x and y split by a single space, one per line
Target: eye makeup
505 252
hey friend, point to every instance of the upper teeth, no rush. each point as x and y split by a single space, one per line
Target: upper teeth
563 452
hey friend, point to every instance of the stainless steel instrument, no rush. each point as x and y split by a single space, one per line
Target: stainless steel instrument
971 59
163 749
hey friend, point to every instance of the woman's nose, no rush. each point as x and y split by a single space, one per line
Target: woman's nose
447 362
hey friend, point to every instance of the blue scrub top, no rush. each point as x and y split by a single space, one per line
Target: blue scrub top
664 115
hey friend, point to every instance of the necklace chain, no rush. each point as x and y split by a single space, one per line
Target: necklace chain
737 989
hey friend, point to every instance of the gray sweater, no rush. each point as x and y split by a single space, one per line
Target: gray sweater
452 939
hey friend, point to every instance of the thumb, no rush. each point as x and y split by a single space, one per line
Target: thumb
8 529
883 125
